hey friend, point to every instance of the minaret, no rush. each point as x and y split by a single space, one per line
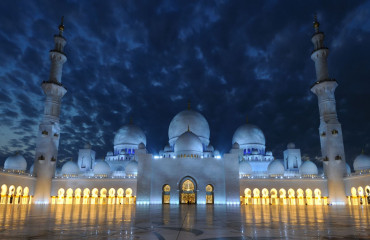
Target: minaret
330 129
49 130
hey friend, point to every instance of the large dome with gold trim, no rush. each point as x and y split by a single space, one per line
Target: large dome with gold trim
189 119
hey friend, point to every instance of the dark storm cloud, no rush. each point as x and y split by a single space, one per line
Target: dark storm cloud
147 59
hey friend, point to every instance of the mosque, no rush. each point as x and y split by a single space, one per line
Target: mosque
188 170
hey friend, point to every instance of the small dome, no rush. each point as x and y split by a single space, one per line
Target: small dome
276 167
348 169
70 168
129 135
255 152
141 146
188 142
245 168
308 168
291 146
249 134
167 148
361 162
268 153
236 145
185 119
210 148
131 168
16 162
87 146
216 153
102 168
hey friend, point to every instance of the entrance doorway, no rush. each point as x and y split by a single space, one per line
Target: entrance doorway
188 191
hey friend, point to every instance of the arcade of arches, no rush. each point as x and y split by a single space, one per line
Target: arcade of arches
94 196
360 196
15 195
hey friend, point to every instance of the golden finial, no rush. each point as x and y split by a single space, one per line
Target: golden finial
316 24
189 104
61 26
188 128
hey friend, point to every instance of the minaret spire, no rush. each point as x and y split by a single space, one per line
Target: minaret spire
330 130
61 27
47 142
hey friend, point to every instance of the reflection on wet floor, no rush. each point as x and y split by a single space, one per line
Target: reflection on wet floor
182 222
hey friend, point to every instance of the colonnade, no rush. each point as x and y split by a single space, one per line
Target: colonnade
359 196
283 197
14 195
95 196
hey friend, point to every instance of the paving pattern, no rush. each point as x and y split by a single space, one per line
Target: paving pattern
170 222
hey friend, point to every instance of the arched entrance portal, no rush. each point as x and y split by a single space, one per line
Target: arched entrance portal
188 189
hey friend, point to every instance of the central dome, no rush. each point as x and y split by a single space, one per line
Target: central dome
249 134
188 142
129 135
189 119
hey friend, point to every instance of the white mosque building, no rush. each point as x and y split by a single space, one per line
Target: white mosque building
188 170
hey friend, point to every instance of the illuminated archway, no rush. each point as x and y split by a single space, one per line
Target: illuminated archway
317 196
256 196
265 196
209 194
248 196
103 196
78 196
166 194
129 198
94 195
309 196
188 189
367 194
61 192
69 197
361 197
291 194
274 197
282 196
111 199
86 196
26 191
18 195
300 196
120 193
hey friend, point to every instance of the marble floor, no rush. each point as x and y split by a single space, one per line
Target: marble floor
218 222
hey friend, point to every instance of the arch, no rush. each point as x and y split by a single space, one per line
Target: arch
291 194
61 192
4 189
19 191
120 193
77 195
188 190
282 195
69 196
103 196
360 191
128 192
112 196
274 196
166 194
354 192
86 195
94 195
309 196
256 196
247 192
300 195
26 191
209 194
265 196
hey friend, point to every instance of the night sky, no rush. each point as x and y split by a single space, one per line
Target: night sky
147 59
